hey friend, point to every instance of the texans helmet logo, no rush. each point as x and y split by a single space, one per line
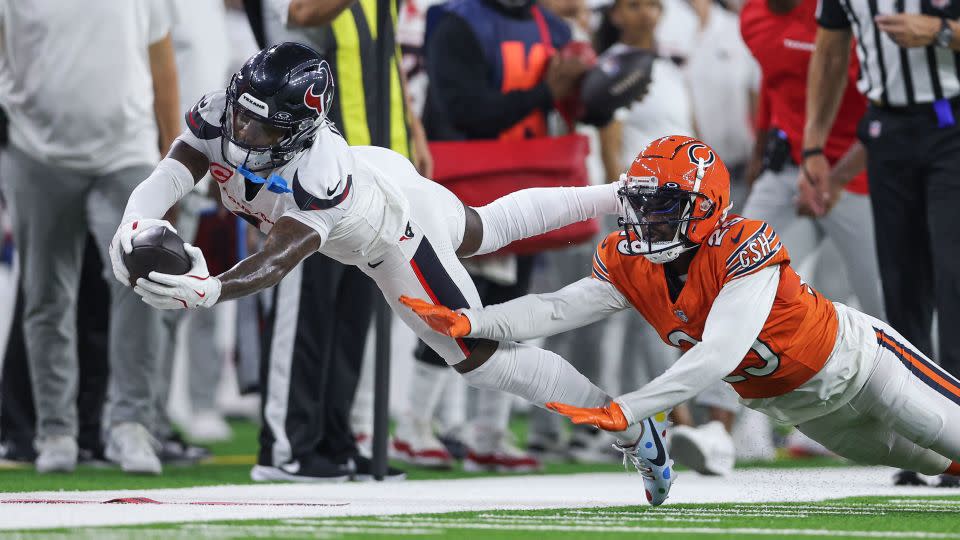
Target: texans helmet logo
314 101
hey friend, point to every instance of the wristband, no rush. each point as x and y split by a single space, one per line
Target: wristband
810 152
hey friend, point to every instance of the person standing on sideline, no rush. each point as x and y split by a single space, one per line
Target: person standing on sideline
315 356
908 72
492 77
76 152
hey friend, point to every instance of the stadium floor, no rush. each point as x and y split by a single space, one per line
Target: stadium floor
785 499
773 503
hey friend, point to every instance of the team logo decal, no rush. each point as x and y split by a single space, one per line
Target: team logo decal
220 173
628 247
314 101
697 150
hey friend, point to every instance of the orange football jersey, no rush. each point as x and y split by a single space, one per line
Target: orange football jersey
797 337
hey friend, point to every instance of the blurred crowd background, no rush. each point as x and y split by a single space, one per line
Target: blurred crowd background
98 105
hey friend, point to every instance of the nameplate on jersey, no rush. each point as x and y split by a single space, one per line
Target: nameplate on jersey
307 201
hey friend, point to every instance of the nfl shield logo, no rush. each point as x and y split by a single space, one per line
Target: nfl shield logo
874 129
681 315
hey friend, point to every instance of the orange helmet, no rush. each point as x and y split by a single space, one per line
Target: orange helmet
674 195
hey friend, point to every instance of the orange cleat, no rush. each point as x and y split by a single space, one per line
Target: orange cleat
441 318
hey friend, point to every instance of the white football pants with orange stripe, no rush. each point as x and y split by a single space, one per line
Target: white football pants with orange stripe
877 401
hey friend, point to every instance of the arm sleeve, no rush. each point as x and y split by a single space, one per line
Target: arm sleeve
733 324
830 15
460 84
535 315
534 211
168 183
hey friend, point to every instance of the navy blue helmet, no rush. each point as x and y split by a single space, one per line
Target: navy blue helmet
275 105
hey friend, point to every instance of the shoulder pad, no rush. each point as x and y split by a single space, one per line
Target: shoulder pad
205 118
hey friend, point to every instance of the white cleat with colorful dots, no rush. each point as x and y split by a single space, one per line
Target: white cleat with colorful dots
649 455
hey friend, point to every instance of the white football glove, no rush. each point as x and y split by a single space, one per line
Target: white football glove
123 243
196 288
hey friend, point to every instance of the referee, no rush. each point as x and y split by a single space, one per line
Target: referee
909 73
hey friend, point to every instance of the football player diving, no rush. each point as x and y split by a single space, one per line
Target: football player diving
281 165
720 287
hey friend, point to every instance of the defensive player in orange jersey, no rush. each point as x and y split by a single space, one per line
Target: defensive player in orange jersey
721 288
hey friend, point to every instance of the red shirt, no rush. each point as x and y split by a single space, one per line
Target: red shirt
782 45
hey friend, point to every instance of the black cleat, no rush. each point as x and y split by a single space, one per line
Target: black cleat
364 471
908 478
949 481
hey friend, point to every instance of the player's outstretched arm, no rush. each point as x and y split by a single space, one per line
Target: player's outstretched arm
173 178
289 242
735 320
534 315
533 211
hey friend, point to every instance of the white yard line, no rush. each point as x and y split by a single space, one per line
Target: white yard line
437 496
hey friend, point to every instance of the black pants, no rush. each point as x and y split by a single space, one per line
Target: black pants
491 293
313 355
17 415
914 171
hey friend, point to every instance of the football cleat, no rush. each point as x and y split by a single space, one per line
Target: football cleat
415 444
500 454
707 449
649 456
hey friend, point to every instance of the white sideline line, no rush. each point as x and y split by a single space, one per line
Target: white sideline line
774 487
394 524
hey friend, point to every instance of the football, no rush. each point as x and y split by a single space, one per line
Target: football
621 76
156 249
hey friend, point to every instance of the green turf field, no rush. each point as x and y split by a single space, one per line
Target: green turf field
913 517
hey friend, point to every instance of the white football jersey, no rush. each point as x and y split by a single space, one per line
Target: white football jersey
340 191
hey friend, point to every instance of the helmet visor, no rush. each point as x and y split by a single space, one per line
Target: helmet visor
658 215
250 131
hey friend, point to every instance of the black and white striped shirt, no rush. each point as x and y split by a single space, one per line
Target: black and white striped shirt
891 75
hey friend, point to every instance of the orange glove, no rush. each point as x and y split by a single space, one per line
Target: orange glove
441 318
609 418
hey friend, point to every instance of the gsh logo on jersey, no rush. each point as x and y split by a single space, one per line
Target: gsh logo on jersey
755 251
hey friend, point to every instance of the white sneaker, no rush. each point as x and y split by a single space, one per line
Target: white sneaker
415 443
707 449
499 454
209 426
130 445
57 453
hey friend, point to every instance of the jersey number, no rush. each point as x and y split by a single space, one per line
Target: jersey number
770 360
